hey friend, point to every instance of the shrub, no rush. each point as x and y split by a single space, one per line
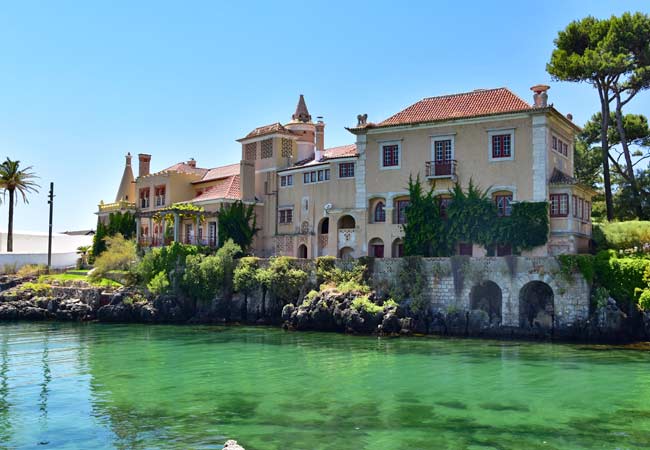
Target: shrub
169 259
207 276
40 289
309 298
363 303
120 254
599 297
390 303
9 269
583 264
622 235
31 270
622 277
282 279
644 300
159 284
245 278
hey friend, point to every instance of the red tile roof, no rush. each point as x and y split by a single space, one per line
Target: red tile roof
182 167
481 102
226 188
340 152
267 129
219 172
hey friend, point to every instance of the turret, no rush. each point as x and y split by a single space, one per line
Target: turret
304 128
126 190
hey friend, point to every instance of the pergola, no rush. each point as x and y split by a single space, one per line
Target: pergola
178 214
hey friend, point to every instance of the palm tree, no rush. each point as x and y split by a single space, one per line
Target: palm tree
12 180
84 251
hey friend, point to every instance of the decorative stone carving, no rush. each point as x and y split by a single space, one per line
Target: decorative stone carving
362 119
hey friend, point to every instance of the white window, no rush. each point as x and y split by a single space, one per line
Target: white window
501 145
285 215
442 148
316 176
286 180
390 155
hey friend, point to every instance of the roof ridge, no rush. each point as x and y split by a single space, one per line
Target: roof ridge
475 91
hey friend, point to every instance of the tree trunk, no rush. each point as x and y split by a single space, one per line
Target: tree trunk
604 107
628 158
10 227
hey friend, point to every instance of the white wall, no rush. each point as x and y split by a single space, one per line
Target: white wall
31 248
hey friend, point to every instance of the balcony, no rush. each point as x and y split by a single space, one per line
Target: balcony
117 206
441 169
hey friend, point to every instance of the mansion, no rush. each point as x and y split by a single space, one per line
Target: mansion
350 200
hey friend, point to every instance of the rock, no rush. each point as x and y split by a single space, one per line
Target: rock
148 313
477 322
33 313
457 323
8 311
116 299
115 313
390 324
232 445
287 311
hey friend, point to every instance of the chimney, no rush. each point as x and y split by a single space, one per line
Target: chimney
144 161
191 162
540 99
128 159
320 137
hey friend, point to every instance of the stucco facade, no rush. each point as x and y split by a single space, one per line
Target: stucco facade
349 201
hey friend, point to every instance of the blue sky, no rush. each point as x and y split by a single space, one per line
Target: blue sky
83 83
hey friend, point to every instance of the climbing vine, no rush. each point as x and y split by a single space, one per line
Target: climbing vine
471 217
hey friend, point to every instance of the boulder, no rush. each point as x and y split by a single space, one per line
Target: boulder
478 321
8 311
232 445
390 323
287 311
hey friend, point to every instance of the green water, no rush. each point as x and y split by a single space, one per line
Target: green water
118 386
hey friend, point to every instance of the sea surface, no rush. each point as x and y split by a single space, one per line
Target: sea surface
96 386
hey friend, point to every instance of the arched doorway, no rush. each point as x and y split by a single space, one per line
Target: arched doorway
346 253
323 236
376 248
302 251
536 307
346 222
397 250
487 297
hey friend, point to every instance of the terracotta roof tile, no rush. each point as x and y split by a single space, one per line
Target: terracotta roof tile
468 104
267 129
219 172
182 167
340 152
559 177
226 188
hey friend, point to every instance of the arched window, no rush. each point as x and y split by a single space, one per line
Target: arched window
380 212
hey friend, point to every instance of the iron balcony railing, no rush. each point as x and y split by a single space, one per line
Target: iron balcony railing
441 169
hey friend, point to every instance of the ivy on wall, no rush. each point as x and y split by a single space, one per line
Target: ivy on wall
471 217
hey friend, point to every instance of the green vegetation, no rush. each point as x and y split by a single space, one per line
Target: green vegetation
40 289
121 254
14 180
118 223
411 284
282 279
611 55
159 284
471 217
205 277
31 270
238 222
631 236
69 276
245 275
363 304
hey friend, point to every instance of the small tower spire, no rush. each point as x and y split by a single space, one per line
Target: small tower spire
301 114
126 191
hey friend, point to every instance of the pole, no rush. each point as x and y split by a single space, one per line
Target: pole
49 237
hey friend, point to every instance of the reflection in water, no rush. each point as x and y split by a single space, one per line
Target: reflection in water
133 387
5 414
47 377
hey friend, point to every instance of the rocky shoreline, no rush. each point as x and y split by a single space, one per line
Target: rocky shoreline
329 310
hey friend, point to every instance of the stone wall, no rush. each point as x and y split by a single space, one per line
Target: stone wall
452 284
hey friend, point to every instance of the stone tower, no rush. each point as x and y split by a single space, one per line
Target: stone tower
126 190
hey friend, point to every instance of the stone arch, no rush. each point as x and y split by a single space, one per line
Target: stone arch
346 253
536 305
397 249
376 248
377 210
346 222
302 251
487 296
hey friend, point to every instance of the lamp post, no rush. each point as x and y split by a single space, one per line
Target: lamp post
49 237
